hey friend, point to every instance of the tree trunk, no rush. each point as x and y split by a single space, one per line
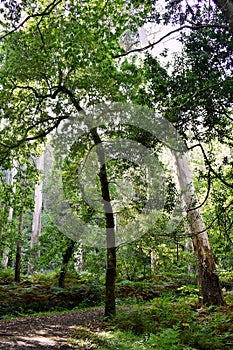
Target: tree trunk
78 259
36 221
206 270
10 174
153 259
110 302
188 246
65 261
18 250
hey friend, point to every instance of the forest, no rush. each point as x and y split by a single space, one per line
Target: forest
116 170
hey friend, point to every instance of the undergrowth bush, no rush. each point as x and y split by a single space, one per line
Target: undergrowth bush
178 324
6 276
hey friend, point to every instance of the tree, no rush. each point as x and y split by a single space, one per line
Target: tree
206 269
36 219
8 182
18 250
66 62
213 103
110 301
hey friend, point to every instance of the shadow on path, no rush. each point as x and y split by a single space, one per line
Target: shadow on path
46 331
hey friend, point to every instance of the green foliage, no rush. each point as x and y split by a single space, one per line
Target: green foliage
106 340
69 54
52 245
94 265
119 340
179 325
173 319
6 276
41 294
165 340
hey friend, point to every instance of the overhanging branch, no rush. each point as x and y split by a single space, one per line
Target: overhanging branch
45 12
186 26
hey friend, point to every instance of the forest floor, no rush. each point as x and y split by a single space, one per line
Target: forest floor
162 313
47 331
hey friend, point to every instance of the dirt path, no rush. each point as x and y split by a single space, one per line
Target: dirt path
46 332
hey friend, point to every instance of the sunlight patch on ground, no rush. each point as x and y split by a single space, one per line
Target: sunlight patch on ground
41 340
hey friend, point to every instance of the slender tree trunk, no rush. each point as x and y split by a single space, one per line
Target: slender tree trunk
18 250
188 246
10 175
110 303
65 261
78 259
36 220
153 259
206 270
9 181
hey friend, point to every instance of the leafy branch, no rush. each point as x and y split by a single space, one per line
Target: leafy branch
45 12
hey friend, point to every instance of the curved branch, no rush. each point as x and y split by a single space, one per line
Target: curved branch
45 12
185 26
216 218
48 130
206 196
209 165
52 95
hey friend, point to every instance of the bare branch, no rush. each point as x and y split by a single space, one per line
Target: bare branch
186 26
206 196
218 176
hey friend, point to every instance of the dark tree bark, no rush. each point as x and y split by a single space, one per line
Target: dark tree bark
65 261
110 303
18 250
210 286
